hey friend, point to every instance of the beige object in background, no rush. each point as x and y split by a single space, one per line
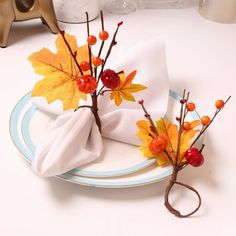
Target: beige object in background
218 10
20 10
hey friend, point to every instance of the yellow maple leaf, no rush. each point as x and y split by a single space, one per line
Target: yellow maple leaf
170 131
125 89
60 72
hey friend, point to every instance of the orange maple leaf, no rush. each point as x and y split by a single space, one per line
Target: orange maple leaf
170 131
125 89
60 72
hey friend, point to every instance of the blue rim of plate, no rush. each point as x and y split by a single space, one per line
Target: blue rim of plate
26 150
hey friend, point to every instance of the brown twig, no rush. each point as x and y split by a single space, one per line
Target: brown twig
181 122
185 108
171 145
102 45
94 107
177 167
112 44
83 106
101 91
73 54
147 115
172 182
89 47
206 127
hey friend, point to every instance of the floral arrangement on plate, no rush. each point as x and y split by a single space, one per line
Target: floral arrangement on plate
74 72
70 81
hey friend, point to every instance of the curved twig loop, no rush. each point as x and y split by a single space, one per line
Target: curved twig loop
173 210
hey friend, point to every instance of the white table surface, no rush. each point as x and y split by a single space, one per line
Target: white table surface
201 57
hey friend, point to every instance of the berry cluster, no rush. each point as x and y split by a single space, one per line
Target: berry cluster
194 156
89 78
109 78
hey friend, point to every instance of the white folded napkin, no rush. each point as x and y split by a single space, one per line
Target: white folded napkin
74 139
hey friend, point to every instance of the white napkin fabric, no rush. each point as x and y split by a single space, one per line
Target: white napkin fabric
74 139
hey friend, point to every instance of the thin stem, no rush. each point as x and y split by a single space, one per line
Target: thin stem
73 54
185 108
94 109
102 45
102 20
203 145
100 49
84 106
148 116
182 165
180 128
171 146
113 43
89 47
100 92
169 157
206 127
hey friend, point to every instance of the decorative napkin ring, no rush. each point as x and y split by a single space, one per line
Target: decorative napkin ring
85 77
73 73
175 144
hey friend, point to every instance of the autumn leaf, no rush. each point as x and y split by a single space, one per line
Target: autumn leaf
125 89
60 72
170 131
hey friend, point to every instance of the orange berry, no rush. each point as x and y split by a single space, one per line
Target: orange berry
97 61
103 35
205 120
91 40
84 65
87 84
191 106
158 144
187 125
219 104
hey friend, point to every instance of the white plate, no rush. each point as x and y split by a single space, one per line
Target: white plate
121 165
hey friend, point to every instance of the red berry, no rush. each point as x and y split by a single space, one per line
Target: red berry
205 120
178 119
62 32
219 104
91 40
110 79
97 61
158 144
191 106
182 101
194 157
87 84
187 126
103 35
84 65
120 23
141 102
